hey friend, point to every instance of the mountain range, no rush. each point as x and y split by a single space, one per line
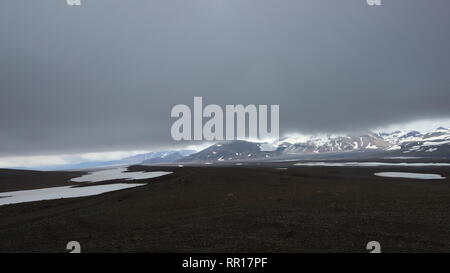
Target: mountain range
397 144
400 144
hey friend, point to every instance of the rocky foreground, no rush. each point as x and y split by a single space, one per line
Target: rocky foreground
264 208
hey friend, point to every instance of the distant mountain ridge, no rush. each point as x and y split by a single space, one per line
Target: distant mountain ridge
398 143
229 151
413 142
168 156
337 144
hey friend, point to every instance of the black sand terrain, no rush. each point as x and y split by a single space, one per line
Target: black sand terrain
236 209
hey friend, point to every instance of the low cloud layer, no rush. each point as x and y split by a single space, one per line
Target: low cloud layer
104 76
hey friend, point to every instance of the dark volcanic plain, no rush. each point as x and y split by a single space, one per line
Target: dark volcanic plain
253 208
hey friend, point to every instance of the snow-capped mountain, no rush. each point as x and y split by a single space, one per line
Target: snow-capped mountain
232 150
402 141
325 144
437 141
399 137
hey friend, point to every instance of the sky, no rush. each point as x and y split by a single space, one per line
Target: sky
102 77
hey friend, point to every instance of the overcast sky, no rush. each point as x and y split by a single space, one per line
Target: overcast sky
104 76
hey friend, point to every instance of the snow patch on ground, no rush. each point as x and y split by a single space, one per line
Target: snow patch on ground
410 175
367 164
15 197
402 157
118 173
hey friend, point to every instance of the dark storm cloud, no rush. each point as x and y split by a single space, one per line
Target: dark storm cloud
105 75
